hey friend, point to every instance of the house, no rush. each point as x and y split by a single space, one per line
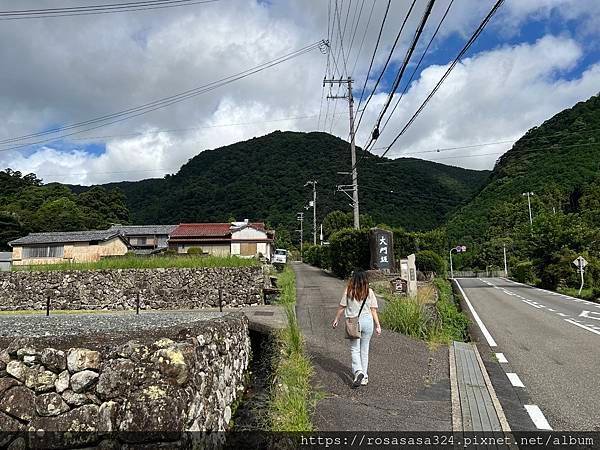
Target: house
73 246
146 239
245 239
5 261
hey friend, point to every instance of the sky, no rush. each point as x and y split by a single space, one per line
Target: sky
534 59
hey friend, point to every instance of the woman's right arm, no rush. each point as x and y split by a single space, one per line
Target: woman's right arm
338 315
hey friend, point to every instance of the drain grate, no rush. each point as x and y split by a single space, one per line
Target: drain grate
263 313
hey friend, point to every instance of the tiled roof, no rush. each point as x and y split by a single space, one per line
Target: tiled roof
137 230
59 237
202 230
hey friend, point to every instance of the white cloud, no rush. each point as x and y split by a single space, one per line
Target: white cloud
492 96
65 70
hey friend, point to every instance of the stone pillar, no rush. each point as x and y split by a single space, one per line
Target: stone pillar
412 276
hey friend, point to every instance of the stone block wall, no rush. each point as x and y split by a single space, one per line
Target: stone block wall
114 389
118 289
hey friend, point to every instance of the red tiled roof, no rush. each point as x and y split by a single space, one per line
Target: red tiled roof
202 229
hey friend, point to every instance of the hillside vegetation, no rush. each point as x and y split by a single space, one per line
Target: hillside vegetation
263 179
559 162
26 205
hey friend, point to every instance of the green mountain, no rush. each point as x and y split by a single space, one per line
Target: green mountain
559 162
263 179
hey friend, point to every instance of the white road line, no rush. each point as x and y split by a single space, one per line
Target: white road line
550 292
488 337
550 309
583 326
501 358
514 379
538 417
562 315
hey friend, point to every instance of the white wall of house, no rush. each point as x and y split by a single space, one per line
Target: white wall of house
246 239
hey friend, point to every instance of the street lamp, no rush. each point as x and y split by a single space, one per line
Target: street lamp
457 249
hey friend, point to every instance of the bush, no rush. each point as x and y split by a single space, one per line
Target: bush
195 251
316 255
414 317
430 261
349 249
523 272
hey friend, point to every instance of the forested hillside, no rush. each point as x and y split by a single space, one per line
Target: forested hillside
263 179
26 205
559 162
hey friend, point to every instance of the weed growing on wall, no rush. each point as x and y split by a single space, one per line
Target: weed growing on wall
148 262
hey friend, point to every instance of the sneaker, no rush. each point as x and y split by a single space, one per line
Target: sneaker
358 377
364 381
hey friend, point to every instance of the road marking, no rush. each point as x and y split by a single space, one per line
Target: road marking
586 314
488 337
538 418
552 310
501 358
583 326
515 380
562 315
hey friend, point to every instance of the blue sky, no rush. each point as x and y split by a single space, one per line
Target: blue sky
534 59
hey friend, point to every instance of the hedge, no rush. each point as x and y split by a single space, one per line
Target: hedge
430 261
349 249
316 255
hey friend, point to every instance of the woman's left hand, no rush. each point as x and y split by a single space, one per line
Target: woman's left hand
378 329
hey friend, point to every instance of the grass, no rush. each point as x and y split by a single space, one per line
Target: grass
147 262
586 293
437 322
291 397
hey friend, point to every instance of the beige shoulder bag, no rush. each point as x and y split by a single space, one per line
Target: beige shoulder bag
353 324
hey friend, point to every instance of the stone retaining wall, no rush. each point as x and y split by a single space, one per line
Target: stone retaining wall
118 289
116 389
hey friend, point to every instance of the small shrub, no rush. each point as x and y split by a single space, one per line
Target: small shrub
523 272
195 251
430 261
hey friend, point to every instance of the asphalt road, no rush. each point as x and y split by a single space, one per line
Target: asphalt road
409 386
550 341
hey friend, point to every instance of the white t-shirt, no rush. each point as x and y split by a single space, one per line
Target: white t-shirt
353 306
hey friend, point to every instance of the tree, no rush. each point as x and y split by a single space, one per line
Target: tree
61 214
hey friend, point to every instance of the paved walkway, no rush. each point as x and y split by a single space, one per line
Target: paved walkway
409 387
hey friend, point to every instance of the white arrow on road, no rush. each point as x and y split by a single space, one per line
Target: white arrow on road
590 314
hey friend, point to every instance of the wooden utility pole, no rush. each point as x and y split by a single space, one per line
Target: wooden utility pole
354 173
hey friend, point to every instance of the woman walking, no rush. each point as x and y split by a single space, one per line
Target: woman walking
359 301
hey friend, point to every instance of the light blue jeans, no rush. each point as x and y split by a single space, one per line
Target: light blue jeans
360 347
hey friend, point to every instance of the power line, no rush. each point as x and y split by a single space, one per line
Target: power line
507 141
97 9
470 42
156 104
407 58
374 53
414 72
386 63
362 42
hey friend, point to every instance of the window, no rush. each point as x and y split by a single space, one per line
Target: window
248 249
43 251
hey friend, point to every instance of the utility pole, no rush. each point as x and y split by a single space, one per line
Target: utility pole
529 194
300 218
350 99
314 205
505 264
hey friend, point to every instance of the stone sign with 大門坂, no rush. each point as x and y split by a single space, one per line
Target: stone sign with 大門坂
381 243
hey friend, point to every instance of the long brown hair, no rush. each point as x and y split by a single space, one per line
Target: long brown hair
358 286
